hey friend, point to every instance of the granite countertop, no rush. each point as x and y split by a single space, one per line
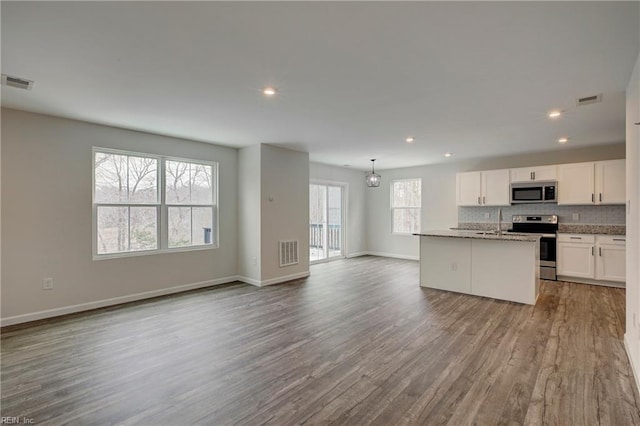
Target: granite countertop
563 228
571 228
479 235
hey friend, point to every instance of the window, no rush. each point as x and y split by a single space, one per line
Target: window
189 199
147 204
406 203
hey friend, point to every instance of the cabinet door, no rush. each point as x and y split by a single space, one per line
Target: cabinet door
576 183
576 260
468 189
610 264
495 188
610 182
545 173
524 174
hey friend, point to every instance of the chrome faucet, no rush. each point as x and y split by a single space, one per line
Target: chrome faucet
499 221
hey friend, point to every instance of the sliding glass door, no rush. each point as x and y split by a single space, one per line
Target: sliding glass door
325 221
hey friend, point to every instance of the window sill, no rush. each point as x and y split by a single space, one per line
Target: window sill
152 252
404 234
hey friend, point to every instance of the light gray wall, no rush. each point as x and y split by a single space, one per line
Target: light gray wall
284 206
249 213
356 213
632 335
47 216
439 210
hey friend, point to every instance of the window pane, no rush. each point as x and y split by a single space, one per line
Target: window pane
144 228
201 184
177 182
143 180
179 226
113 229
110 178
406 220
407 193
202 231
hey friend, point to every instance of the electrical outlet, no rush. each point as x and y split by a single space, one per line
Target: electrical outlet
454 266
487 215
576 216
254 260
47 283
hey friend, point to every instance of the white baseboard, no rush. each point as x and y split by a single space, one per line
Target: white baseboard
248 280
633 366
279 280
394 255
357 254
34 316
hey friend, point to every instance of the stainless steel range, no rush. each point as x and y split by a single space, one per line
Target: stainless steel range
546 226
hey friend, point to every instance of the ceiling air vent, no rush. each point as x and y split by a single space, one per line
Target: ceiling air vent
17 82
589 100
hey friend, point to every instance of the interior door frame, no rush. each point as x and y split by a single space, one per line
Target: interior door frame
344 220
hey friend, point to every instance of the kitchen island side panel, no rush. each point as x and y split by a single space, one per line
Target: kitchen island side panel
445 263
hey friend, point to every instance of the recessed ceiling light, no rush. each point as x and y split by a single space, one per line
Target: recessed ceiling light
554 114
448 154
410 139
269 91
563 140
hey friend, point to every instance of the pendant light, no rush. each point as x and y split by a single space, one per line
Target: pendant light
373 179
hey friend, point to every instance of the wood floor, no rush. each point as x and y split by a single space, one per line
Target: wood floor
359 342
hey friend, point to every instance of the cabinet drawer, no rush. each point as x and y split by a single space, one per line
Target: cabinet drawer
612 239
576 238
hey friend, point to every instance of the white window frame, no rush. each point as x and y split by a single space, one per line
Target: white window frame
213 205
393 208
161 206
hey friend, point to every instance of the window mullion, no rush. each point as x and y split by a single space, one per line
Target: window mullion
163 225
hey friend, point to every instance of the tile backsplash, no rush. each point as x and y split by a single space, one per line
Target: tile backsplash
610 215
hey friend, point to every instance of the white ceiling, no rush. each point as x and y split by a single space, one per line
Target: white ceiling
355 78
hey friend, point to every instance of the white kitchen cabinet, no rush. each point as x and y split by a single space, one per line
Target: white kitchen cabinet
576 183
485 188
576 256
591 257
468 189
533 174
610 260
600 182
610 182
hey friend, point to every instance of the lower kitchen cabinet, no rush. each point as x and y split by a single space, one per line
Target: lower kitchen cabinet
575 256
610 262
591 258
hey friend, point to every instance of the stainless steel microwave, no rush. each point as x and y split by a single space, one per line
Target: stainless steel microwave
534 192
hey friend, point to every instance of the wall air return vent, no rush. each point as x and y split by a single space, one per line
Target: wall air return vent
288 252
589 100
17 82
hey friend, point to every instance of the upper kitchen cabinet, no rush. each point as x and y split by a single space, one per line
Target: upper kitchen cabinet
610 182
487 188
532 174
601 182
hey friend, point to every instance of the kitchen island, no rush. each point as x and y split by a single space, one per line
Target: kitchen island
501 266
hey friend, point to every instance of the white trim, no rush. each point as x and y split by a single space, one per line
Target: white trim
284 278
393 255
248 280
357 254
278 280
633 366
17 319
591 282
